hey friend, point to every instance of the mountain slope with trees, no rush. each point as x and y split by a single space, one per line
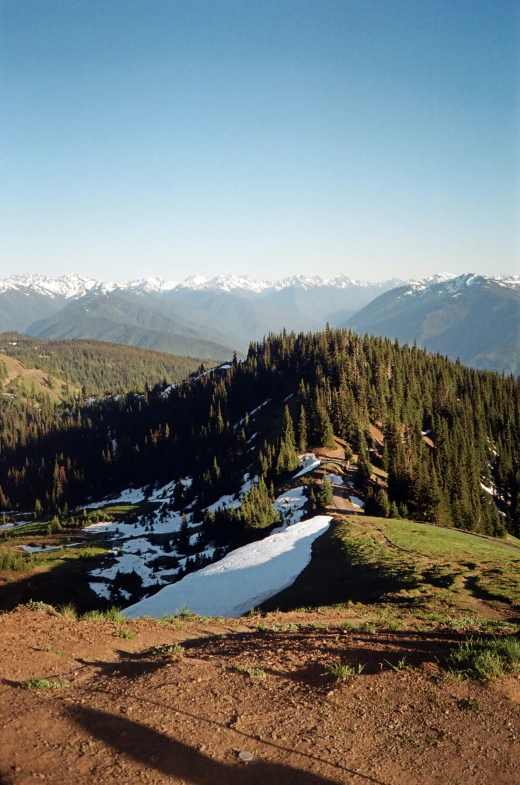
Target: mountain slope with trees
133 319
472 317
98 367
464 474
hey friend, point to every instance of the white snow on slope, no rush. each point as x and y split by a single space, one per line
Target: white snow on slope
76 286
308 462
336 479
290 506
356 501
234 500
241 580
137 495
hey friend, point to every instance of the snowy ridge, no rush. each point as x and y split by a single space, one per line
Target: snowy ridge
452 285
77 286
74 286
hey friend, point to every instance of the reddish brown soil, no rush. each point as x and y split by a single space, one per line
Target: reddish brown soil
134 714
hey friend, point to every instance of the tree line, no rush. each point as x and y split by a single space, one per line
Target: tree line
340 383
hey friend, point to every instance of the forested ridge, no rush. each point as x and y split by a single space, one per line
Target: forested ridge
340 383
98 367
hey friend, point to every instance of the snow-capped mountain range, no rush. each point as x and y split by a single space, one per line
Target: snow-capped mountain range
211 317
74 286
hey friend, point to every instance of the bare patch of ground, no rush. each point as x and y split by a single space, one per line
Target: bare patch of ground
137 711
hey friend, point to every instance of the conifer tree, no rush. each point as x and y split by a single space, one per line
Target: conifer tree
326 493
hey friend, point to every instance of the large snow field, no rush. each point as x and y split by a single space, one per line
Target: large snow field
241 580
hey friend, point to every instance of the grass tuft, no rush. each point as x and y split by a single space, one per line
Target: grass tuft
69 610
485 659
110 614
340 672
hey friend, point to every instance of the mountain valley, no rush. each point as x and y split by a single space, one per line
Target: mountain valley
214 317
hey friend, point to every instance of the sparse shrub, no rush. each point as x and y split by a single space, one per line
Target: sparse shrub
369 626
400 666
251 672
42 607
469 703
109 614
125 634
10 560
175 648
60 652
463 622
113 614
255 672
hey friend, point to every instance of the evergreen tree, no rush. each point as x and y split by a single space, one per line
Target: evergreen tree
326 492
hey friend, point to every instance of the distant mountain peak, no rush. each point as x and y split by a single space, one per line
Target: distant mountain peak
446 283
76 286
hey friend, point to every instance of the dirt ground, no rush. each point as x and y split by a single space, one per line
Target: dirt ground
136 712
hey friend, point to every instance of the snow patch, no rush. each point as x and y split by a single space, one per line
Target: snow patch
308 462
290 507
241 580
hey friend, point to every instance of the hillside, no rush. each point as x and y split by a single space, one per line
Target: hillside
359 503
20 381
98 367
131 319
472 317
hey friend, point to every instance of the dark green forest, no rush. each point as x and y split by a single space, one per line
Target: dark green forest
340 383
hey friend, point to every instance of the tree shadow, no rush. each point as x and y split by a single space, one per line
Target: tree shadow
314 649
173 758
471 583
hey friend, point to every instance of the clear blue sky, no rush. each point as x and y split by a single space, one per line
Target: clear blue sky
374 138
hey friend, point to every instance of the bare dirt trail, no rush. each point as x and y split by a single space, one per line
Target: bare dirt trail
137 713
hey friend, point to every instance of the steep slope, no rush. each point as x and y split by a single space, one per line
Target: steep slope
238 318
474 318
26 381
311 307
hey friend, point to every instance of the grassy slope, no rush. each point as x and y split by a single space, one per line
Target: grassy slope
411 566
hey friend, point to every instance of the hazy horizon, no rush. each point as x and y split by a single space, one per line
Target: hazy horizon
266 139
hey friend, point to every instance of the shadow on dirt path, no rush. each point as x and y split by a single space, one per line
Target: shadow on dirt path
176 759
